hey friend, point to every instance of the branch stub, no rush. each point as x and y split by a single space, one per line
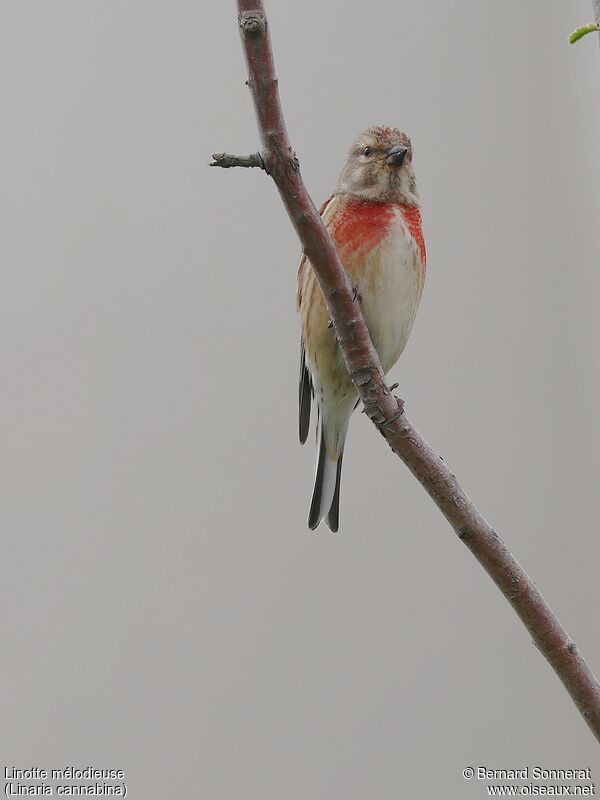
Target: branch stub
252 23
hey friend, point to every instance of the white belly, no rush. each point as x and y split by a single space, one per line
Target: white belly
391 290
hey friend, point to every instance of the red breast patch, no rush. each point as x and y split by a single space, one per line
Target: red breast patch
412 217
361 225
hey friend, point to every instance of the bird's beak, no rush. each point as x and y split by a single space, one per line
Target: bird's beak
396 155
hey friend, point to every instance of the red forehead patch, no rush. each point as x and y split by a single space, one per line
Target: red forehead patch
388 135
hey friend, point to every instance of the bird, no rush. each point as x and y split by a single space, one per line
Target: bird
374 220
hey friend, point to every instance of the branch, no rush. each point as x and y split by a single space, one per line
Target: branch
384 409
226 160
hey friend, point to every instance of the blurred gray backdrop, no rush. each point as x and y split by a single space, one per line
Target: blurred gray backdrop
165 610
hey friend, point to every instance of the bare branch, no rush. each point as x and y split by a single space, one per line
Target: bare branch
226 160
383 408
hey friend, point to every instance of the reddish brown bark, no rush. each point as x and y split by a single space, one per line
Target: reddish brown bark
384 409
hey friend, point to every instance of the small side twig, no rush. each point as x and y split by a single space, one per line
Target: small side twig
227 160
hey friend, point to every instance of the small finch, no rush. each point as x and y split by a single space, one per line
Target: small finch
374 220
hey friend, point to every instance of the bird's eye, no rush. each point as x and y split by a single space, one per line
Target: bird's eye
366 151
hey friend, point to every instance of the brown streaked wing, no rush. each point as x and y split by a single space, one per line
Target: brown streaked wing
304 262
305 389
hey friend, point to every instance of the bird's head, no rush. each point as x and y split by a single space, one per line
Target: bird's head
379 167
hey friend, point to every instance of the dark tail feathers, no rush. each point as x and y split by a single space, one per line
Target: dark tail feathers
325 504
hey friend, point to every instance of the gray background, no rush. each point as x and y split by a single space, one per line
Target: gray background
164 609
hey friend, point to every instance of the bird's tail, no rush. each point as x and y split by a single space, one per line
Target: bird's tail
325 504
